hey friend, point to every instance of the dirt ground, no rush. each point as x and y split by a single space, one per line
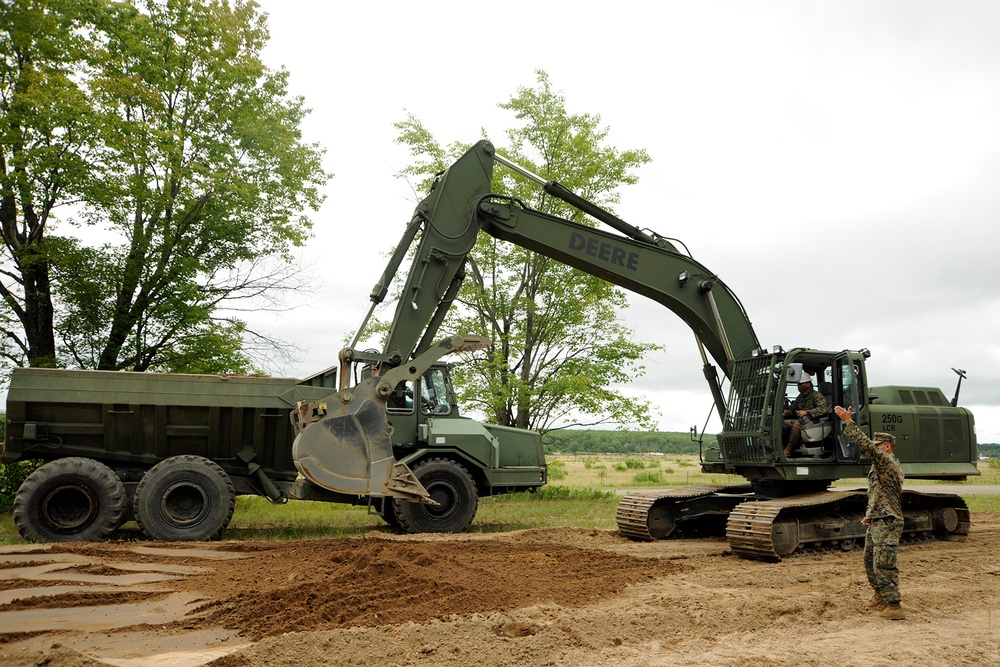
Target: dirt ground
545 597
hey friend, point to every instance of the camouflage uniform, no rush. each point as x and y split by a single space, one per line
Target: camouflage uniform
885 513
815 406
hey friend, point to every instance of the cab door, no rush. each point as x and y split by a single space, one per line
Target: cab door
849 376
402 415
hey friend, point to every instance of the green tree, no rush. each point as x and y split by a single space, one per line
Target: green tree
46 131
558 349
197 177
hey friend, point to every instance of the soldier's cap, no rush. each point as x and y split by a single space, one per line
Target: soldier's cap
881 436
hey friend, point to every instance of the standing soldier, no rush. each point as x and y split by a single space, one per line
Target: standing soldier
884 516
809 404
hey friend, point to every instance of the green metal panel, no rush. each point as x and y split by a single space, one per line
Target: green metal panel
518 447
469 436
517 478
932 436
498 457
109 387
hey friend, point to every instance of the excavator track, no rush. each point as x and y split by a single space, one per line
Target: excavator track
656 515
772 529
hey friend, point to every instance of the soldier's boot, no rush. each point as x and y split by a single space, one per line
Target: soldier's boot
877 603
790 448
893 611
793 441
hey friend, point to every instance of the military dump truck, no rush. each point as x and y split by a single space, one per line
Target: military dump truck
785 505
174 450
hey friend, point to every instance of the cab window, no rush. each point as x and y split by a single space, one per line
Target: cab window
401 399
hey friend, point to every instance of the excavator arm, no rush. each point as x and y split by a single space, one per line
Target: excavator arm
461 205
342 445
447 235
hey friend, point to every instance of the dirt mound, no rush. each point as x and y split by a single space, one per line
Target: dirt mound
344 583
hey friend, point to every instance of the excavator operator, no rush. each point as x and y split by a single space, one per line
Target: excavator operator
808 405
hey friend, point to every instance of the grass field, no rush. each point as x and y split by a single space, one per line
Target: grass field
582 493
620 471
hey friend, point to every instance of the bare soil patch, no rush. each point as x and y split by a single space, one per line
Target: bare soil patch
559 597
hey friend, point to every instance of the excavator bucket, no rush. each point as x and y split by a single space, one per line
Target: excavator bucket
342 443
348 450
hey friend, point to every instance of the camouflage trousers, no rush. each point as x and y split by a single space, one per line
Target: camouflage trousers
881 544
793 433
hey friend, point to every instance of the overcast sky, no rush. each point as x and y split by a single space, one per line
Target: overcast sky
836 163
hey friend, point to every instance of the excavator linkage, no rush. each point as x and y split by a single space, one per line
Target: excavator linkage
343 444
348 450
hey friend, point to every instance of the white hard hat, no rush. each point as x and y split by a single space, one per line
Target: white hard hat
806 378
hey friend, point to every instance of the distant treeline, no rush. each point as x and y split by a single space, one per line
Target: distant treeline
990 449
638 442
622 442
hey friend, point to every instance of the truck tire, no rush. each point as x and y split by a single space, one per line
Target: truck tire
387 510
184 498
70 499
451 485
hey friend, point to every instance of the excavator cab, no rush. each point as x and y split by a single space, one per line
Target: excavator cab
762 387
837 377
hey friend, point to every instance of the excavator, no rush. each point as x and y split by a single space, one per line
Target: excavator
785 506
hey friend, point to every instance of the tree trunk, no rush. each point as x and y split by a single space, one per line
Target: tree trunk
38 311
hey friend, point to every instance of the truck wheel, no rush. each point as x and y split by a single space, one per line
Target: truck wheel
184 498
70 499
452 487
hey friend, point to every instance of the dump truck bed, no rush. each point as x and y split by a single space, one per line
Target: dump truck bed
137 419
